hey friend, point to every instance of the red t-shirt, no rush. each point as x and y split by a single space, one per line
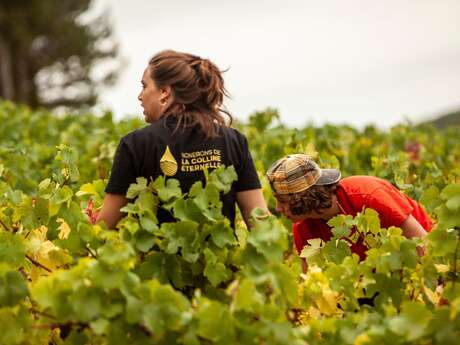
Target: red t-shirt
356 193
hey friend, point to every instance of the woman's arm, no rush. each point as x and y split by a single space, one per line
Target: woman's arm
249 200
110 212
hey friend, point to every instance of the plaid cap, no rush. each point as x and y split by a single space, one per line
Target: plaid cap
298 172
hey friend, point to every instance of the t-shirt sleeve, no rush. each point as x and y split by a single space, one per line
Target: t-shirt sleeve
123 170
392 206
247 174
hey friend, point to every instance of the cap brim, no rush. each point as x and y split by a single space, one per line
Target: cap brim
328 176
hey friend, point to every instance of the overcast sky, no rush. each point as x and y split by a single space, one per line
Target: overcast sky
336 61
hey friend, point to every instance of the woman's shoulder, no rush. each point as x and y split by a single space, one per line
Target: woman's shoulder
156 129
231 132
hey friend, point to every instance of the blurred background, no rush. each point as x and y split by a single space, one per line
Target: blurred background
344 62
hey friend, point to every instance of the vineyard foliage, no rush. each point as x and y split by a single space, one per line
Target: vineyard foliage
65 280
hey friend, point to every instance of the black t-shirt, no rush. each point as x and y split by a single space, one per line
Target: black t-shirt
155 150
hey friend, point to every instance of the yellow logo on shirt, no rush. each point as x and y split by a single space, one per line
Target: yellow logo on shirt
200 160
168 164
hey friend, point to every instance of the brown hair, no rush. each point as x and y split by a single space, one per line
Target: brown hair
315 198
197 86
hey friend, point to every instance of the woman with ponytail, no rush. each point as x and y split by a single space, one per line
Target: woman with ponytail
182 97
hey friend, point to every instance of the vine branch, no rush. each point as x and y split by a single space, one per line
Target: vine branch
91 252
38 312
36 263
4 225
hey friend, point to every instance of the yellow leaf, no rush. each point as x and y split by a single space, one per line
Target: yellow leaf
46 248
454 309
327 303
432 296
40 232
35 239
441 268
362 339
35 273
45 252
313 313
65 172
64 229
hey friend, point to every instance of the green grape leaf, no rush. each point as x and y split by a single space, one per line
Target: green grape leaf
32 212
144 241
341 231
134 308
167 189
430 198
13 288
269 238
146 202
149 223
372 219
12 249
409 255
412 322
136 188
211 315
215 271
442 241
63 194
164 312
99 326
246 296
448 218
222 233
312 249
14 326
166 268
451 194
336 250
95 188
223 178
187 210
286 282
116 253
69 157
209 196
86 303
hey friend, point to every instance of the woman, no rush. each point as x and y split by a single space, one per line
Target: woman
310 196
182 96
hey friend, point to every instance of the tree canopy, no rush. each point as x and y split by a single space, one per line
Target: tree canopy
49 50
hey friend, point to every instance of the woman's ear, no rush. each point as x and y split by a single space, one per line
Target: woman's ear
166 92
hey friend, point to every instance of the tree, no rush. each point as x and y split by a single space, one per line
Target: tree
48 51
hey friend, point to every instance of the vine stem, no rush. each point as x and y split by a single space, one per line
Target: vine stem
45 325
4 225
91 252
36 263
38 312
57 325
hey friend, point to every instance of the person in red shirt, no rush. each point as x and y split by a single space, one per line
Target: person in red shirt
309 196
